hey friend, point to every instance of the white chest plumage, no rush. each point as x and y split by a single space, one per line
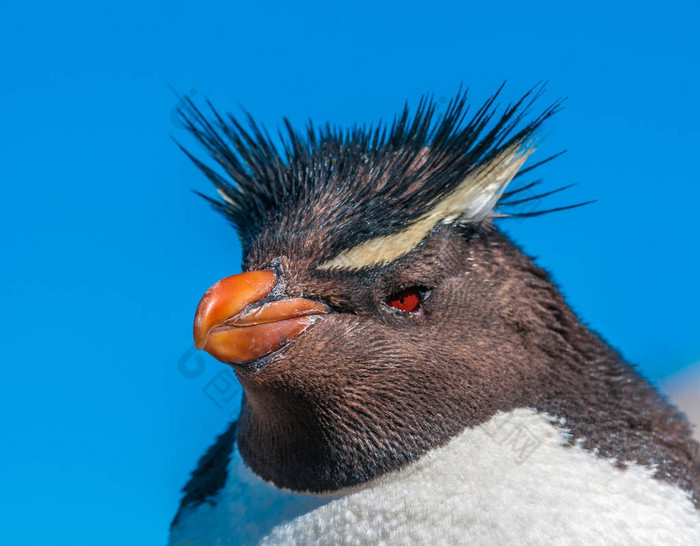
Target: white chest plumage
511 481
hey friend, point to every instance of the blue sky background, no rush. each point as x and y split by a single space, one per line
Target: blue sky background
107 251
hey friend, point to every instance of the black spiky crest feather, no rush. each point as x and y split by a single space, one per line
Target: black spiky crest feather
343 187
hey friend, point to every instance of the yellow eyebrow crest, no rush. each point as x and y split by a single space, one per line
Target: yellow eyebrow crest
472 201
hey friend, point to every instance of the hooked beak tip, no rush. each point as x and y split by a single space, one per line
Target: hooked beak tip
227 327
227 298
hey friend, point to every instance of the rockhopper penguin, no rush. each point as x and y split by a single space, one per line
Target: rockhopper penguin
409 375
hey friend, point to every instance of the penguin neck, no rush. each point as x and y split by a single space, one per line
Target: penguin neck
282 438
606 405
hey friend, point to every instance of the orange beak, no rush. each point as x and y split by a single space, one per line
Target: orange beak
236 325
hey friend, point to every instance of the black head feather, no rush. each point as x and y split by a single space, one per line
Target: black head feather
339 188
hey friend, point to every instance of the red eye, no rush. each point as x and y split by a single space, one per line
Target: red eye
407 300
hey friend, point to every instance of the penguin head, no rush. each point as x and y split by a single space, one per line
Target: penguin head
380 312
